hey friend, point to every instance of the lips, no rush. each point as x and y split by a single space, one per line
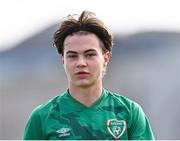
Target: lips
81 75
82 72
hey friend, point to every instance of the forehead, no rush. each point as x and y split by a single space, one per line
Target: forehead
83 42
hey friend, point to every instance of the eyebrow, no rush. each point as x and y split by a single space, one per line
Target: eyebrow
74 52
89 50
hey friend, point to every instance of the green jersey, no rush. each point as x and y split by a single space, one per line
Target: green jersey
112 116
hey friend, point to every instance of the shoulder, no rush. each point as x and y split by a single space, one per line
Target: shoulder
123 100
128 106
45 108
138 125
35 126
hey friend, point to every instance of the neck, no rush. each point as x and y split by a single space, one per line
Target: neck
86 95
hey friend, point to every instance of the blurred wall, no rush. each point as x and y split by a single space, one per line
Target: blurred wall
144 67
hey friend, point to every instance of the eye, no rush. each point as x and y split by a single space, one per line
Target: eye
91 54
71 56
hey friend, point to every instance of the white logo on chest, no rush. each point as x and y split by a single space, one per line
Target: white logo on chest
116 127
63 132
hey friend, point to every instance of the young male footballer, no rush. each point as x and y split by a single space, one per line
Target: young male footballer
86 110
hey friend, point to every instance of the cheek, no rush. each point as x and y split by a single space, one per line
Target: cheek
101 62
68 67
98 65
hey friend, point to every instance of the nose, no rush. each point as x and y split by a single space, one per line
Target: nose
81 62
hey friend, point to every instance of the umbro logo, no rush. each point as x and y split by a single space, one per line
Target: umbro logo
63 132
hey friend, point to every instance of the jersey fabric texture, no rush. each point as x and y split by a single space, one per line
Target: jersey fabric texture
112 116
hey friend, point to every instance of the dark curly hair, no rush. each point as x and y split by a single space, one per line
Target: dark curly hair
87 22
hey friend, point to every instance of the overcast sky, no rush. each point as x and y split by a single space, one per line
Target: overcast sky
19 19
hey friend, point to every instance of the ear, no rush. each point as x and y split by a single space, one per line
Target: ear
62 59
107 56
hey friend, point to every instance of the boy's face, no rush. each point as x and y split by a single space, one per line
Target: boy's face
83 60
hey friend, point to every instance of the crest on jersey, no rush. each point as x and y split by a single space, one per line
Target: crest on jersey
116 127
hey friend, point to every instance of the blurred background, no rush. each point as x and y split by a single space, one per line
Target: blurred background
145 64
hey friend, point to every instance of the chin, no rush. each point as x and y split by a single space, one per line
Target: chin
83 84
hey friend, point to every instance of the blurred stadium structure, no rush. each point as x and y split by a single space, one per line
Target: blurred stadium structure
144 67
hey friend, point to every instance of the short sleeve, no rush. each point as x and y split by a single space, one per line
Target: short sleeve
33 129
140 128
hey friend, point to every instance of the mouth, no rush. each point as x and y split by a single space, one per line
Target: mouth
82 73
